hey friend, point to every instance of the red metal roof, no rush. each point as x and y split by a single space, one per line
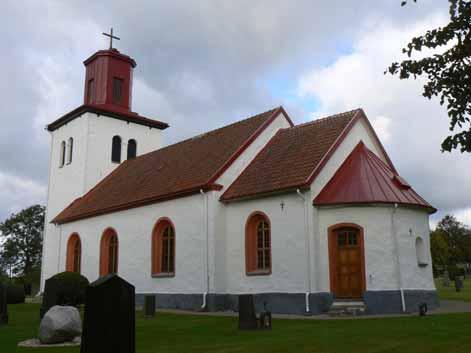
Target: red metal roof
365 178
173 171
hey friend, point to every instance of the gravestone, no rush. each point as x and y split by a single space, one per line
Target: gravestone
458 283
423 309
247 316
109 318
3 304
28 288
265 318
50 297
60 324
149 305
446 279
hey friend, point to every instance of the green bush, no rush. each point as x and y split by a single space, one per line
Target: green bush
71 288
65 288
15 294
454 271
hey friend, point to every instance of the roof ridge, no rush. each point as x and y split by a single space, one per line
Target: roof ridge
209 132
329 117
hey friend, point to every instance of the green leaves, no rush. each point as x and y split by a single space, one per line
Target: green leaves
448 74
22 245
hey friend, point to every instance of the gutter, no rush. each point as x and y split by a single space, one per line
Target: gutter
308 250
398 263
206 257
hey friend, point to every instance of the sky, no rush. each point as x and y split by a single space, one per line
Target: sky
203 64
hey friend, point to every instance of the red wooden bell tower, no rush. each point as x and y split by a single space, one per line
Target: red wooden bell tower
108 80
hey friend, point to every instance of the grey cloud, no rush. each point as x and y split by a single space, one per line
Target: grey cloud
201 64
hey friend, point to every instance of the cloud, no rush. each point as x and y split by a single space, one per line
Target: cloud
201 64
410 126
16 191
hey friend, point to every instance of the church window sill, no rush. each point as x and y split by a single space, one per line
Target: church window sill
163 275
259 273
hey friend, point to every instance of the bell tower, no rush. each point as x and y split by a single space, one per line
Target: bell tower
108 80
92 140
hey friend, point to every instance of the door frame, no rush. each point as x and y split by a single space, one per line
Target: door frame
332 243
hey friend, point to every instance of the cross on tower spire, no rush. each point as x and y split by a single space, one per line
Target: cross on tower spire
111 37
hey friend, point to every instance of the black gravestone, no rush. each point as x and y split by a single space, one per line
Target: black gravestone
50 296
423 309
149 305
247 316
3 304
109 319
28 288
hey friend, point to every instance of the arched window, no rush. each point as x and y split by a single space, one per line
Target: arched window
74 254
109 252
132 148
116 149
420 252
163 249
258 245
70 150
62 154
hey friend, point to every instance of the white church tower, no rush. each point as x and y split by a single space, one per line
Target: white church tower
89 142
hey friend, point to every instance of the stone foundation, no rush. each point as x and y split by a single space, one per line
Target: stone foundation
377 302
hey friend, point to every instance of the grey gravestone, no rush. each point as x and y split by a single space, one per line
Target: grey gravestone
3 304
149 305
247 316
446 279
265 318
109 320
458 283
60 324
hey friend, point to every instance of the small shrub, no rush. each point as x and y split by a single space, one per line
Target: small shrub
65 288
15 294
72 287
455 271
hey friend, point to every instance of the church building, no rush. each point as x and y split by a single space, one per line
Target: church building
302 216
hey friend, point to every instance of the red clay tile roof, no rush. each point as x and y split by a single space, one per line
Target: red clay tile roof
109 112
365 178
177 170
291 158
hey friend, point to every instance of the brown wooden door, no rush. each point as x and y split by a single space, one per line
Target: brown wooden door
347 263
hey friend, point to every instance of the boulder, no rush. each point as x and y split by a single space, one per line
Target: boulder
60 324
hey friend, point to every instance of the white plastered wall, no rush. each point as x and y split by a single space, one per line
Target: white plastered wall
134 228
101 130
91 161
379 224
286 215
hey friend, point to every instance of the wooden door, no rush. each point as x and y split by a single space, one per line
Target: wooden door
347 262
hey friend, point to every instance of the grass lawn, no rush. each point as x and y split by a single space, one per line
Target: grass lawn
185 333
450 293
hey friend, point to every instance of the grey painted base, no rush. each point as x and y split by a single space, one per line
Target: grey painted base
279 303
389 301
377 302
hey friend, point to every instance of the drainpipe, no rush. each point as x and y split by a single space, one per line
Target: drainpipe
203 306
308 250
59 250
398 263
